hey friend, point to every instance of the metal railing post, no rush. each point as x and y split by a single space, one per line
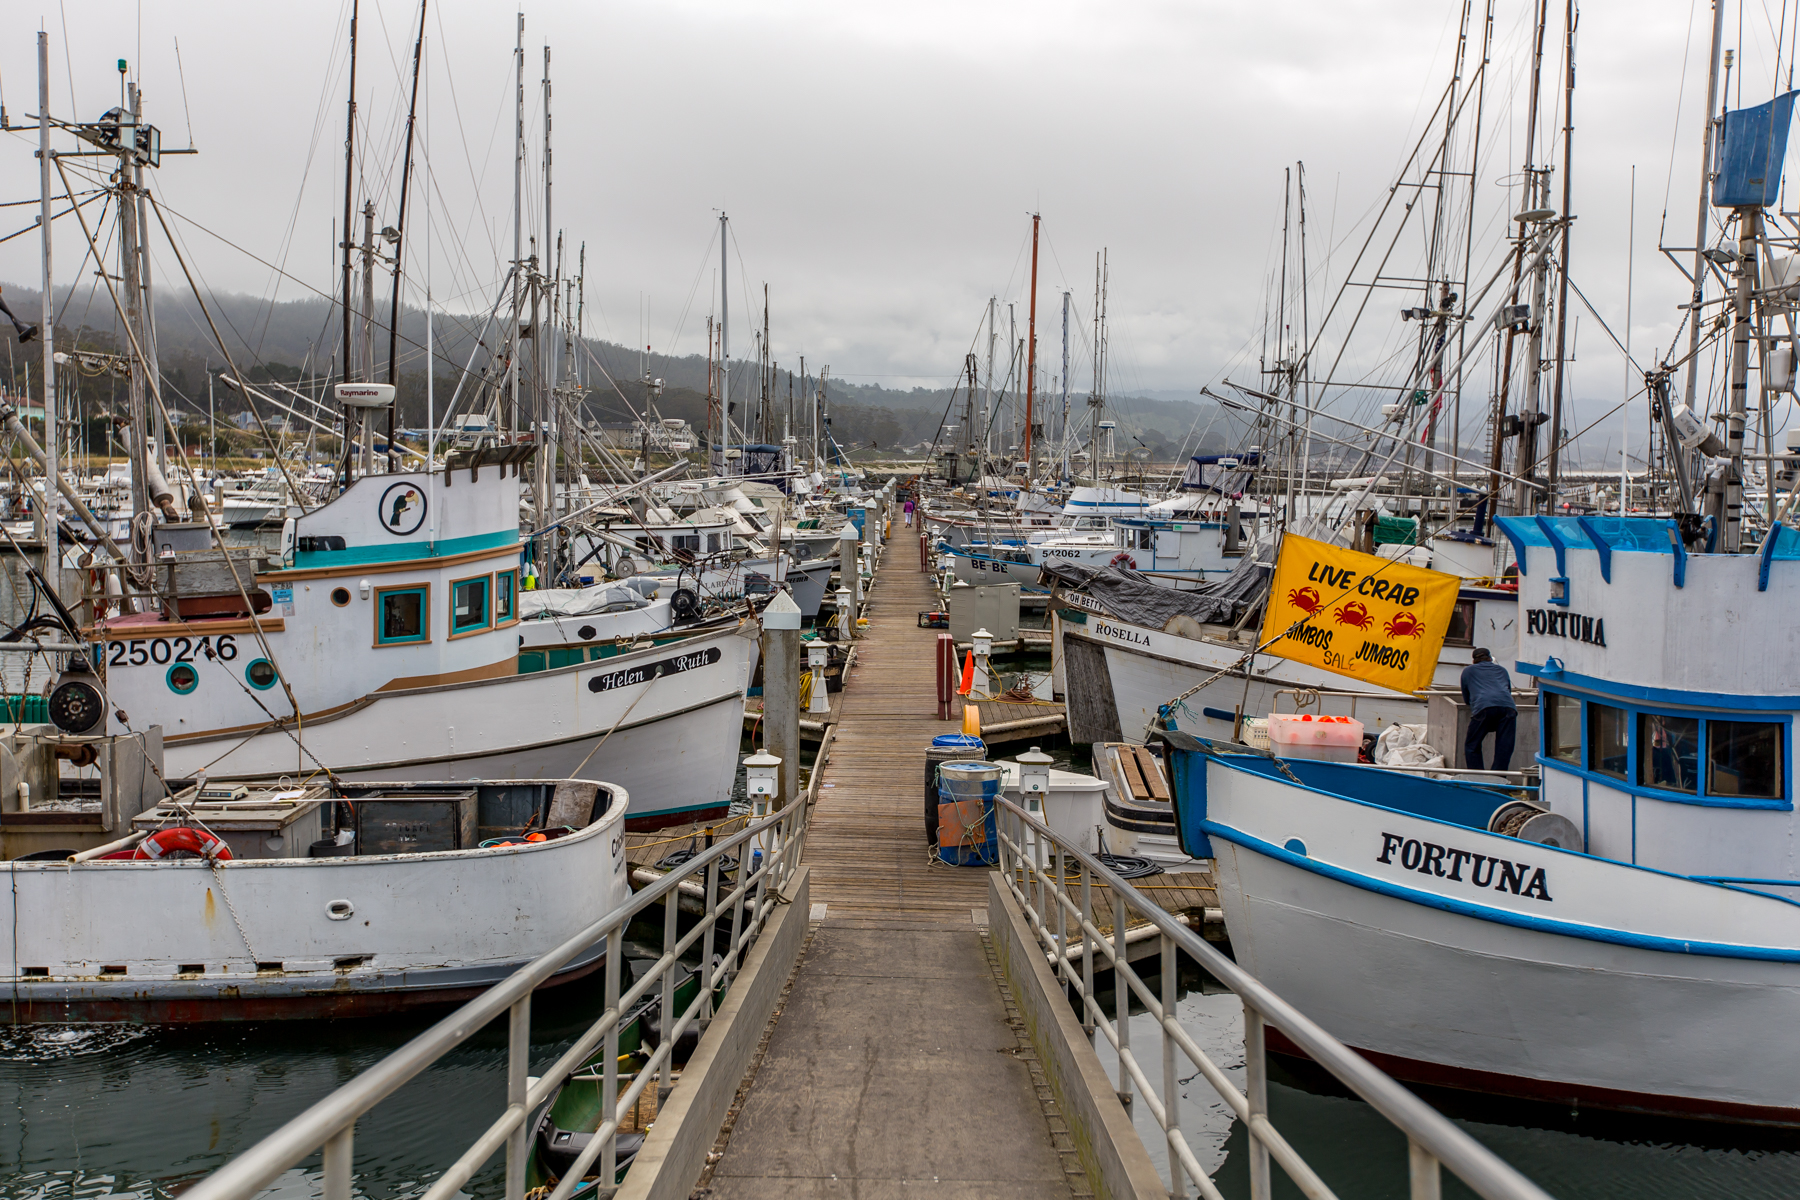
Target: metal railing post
518 1069
1088 1008
671 935
706 942
1062 922
609 1073
737 911
1171 1077
1427 1182
1121 997
337 1164
1041 863
1256 1093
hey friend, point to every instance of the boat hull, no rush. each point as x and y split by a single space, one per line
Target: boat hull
1596 983
664 723
260 939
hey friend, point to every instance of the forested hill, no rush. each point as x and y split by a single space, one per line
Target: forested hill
288 339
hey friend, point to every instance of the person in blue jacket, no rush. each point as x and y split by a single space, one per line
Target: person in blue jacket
1487 690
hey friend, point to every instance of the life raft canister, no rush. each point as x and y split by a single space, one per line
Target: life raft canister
198 842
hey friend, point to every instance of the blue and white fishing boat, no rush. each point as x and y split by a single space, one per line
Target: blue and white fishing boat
1627 936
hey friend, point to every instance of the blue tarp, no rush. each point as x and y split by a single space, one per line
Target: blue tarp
1751 151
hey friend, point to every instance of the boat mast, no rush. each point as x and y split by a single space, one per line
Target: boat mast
1065 388
46 323
724 349
1562 283
518 265
987 393
548 435
1700 215
130 259
393 366
1537 185
1031 351
348 243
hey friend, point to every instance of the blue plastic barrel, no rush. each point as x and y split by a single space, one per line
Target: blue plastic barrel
966 804
948 747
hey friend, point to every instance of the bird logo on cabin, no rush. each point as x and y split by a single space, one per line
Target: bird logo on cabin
402 509
402 503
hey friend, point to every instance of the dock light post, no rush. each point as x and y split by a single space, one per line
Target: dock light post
781 691
818 654
1034 783
846 615
983 643
762 785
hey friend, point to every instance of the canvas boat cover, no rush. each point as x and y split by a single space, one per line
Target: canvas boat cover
1130 596
579 602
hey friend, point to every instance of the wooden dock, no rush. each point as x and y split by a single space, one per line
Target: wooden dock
896 1006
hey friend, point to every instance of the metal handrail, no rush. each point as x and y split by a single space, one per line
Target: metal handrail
330 1123
1026 848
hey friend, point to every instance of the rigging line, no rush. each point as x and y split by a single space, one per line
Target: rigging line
248 254
86 253
693 290
187 112
327 90
33 227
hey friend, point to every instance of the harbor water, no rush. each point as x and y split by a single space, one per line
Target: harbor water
1585 1154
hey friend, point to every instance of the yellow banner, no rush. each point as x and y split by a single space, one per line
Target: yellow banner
1358 615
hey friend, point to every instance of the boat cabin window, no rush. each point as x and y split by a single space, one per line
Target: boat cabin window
685 541
469 605
1145 539
1669 752
1607 731
1462 625
1562 727
402 615
506 585
1744 759
712 543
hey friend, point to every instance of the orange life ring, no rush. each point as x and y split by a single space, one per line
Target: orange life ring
197 842
1123 559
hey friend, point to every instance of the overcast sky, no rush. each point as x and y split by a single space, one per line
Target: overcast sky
879 161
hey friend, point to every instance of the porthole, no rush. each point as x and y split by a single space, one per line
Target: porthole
183 678
340 596
261 674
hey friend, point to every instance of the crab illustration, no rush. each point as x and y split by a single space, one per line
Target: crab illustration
1356 614
1305 599
1404 624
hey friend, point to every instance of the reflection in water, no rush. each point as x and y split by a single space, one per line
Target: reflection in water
1573 1155
101 1110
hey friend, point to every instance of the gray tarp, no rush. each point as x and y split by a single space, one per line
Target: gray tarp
1130 596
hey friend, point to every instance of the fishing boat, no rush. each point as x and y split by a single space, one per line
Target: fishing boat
383 642
1626 936
228 903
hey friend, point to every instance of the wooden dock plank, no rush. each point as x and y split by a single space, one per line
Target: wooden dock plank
867 848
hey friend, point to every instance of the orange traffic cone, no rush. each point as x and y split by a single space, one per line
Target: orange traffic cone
968 675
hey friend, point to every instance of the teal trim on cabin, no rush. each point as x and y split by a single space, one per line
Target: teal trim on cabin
360 556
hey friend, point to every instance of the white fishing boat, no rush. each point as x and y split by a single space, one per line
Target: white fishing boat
384 643
1126 656
329 900
1635 942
